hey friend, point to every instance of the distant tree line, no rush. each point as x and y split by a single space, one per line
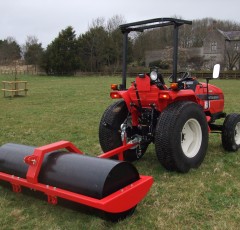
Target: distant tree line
100 48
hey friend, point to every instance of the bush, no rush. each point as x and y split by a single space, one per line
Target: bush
160 64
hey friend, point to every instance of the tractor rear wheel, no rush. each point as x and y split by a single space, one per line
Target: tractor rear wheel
231 132
181 138
110 131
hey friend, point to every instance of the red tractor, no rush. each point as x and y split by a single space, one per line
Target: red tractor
177 119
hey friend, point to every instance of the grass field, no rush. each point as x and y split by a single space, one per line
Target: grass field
70 108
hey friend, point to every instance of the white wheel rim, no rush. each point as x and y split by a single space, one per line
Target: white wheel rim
191 138
237 134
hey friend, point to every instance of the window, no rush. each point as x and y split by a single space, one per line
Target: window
236 46
213 46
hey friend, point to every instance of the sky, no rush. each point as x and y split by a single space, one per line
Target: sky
44 19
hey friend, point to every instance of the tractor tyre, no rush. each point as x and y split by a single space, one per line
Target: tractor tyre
231 132
181 138
110 131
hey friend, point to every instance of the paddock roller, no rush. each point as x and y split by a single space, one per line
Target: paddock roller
62 170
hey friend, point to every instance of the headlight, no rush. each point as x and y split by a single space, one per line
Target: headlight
153 75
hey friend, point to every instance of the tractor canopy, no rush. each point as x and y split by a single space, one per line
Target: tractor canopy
141 26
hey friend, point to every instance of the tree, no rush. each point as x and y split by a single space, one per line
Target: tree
114 22
33 51
232 54
148 40
93 45
62 55
9 51
101 45
115 46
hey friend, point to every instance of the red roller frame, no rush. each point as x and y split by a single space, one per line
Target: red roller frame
119 201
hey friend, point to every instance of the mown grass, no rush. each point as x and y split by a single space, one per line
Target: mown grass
69 108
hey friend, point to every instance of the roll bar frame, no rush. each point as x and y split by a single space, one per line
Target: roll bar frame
141 26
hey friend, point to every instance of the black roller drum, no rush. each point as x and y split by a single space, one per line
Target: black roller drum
11 159
90 176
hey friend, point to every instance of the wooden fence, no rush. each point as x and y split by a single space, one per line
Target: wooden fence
223 74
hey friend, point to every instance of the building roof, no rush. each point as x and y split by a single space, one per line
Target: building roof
231 35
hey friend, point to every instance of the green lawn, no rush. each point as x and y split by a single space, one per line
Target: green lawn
70 108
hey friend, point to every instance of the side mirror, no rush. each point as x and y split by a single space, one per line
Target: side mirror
216 71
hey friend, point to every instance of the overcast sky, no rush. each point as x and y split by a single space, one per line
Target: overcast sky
46 18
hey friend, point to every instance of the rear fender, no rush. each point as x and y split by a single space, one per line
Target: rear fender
167 97
187 95
126 97
122 94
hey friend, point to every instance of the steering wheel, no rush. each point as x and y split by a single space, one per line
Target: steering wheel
181 76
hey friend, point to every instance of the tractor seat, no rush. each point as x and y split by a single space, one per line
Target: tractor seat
191 84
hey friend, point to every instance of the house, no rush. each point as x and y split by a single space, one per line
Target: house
222 47
219 46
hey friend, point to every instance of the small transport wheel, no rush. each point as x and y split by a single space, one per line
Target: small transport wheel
110 131
231 132
181 138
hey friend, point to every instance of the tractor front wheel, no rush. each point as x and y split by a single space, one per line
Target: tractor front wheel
181 138
231 132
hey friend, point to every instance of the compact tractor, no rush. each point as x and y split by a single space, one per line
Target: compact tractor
177 119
